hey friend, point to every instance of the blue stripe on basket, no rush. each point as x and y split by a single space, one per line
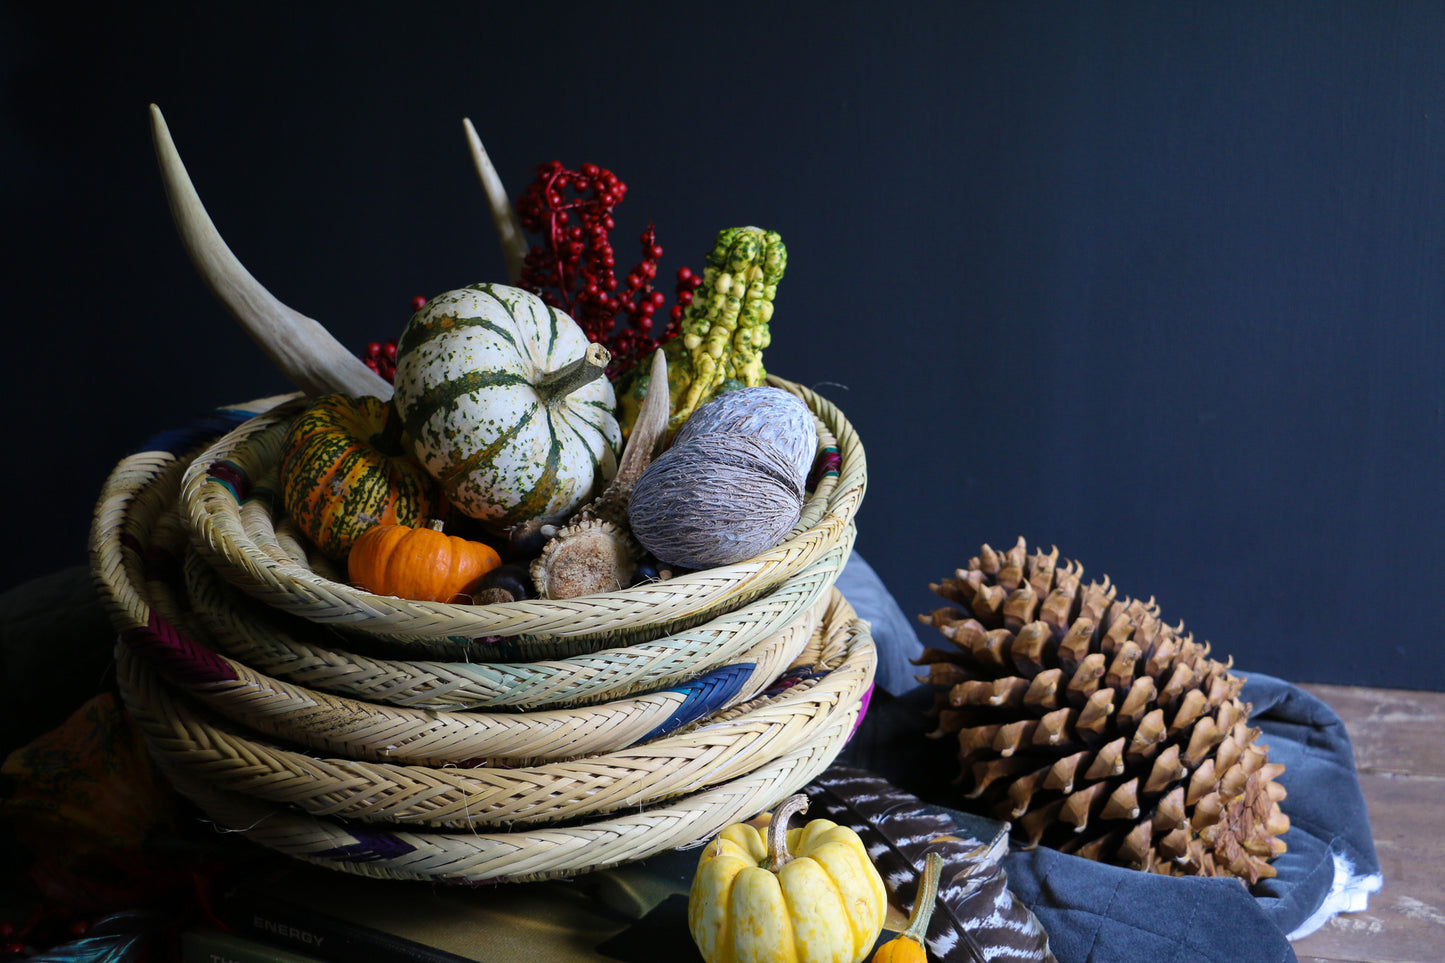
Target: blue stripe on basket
178 440
704 695
368 848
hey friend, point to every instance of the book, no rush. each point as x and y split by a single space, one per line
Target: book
204 944
331 917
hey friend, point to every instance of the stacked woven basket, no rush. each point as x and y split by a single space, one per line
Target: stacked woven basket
458 743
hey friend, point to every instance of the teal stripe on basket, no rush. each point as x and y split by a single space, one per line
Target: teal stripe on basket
704 695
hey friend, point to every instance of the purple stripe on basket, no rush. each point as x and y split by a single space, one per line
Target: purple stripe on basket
230 475
829 462
704 695
862 710
792 677
368 848
177 655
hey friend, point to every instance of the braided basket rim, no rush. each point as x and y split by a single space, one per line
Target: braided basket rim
717 748
524 854
269 573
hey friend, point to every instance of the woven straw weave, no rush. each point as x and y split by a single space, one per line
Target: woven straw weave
233 526
524 854
834 675
309 655
160 632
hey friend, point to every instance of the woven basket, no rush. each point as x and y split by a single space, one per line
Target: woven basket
306 654
831 677
549 739
155 624
523 855
229 500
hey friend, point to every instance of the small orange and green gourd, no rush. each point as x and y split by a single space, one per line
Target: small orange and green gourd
346 467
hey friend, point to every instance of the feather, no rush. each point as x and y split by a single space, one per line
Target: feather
977 919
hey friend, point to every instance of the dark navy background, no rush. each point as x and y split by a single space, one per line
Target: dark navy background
1159 284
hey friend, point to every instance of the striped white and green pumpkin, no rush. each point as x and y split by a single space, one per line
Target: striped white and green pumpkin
476 388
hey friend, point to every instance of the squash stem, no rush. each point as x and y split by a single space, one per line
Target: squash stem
556 385
777 839
923 902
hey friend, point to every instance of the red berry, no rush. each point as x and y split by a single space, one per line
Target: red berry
419 302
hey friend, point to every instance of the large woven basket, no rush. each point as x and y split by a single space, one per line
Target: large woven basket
464 743
830 677
228 499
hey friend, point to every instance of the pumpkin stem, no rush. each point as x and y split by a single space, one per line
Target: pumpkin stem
778 855
556 385
927 895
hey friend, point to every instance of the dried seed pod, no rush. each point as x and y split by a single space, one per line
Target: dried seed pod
595 551
1129 744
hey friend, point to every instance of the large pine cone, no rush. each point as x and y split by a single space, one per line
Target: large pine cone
1097 729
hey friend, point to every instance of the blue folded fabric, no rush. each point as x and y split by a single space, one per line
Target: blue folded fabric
1095 912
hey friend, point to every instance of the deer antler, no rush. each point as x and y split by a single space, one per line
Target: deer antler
302 348
504 216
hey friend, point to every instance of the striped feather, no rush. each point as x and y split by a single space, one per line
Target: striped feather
977 919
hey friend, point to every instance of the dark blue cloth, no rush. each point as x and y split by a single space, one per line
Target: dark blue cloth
1105 914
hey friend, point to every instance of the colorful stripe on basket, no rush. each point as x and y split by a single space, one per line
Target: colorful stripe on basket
178 440
177 655
368 848
829 462
704 695
228 473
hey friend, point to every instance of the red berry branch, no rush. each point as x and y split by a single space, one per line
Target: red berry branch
573 268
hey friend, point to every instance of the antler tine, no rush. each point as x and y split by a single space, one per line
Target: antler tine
504 216
302 348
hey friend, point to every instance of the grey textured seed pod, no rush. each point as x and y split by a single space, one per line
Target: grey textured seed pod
716 499
767 412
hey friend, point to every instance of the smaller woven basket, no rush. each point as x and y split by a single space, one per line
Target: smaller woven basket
306 654
229 499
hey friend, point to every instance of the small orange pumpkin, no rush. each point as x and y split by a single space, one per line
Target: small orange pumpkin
908 946
422 563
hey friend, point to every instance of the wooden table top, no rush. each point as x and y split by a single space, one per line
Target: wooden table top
1400 753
